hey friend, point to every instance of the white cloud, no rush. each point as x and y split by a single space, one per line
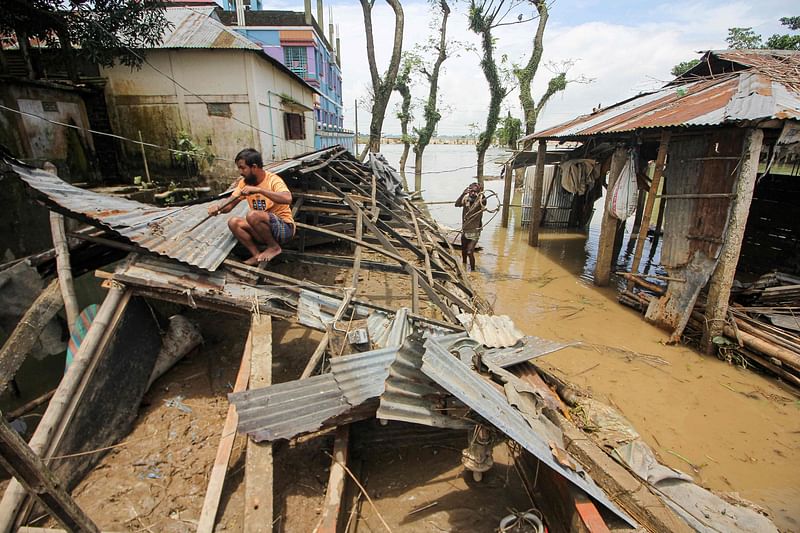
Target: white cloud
627 47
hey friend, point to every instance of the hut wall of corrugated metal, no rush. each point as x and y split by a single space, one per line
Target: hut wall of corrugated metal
705 163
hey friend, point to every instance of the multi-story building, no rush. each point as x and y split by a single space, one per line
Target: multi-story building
297 40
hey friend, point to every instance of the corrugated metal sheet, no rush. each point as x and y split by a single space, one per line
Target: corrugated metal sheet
410 396
197 284
494 331
729 98
530 347
317 311
484 399
167 231
195 28
288 409
162 230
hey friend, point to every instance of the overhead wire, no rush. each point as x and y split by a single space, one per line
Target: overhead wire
143 59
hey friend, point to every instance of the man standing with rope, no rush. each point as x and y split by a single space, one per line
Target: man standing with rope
472 203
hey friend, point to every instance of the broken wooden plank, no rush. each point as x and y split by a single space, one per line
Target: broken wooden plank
332 507
31 472
258 468
217 478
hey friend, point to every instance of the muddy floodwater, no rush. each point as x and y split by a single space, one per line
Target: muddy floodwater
733 430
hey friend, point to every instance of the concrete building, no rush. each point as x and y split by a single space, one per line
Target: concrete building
216 87
298 41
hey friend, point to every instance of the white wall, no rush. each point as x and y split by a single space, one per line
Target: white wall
150 102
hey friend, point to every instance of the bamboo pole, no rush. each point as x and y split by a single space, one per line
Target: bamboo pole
719 288
644 225
538 185
57 412
62 261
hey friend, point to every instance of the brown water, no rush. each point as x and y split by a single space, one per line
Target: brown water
731 429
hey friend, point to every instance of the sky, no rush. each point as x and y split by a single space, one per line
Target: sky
623 47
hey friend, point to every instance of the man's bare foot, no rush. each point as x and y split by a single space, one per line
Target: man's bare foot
253 261
269 254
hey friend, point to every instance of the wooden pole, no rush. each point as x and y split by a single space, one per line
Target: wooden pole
62 261
507 194
60 409
608 229
719 288
31 472
655 183
217 478
144 159
258 468
538 185
27 332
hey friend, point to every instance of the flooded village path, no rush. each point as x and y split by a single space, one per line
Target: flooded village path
733 430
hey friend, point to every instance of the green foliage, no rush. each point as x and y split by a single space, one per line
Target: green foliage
101 31
189 154
683 67
746 38
740 38
509 131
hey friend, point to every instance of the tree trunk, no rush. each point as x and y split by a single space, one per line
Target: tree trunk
417 170
382 87
479 167
25 50
526 74
432 115
497 93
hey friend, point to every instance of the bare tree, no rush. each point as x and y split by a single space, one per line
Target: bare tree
431 111
381 86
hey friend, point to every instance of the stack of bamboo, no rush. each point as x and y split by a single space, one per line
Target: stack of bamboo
763 326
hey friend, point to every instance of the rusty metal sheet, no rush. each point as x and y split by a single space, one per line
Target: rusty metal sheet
196 28
469 387
168 231
763 92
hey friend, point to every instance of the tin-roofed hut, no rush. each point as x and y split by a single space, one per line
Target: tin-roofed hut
718 135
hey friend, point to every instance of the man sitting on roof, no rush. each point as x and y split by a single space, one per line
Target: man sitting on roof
270 220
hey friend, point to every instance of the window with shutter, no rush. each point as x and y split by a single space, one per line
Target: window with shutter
294 126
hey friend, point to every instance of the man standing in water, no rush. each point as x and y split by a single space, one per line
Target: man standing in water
472 203
269 221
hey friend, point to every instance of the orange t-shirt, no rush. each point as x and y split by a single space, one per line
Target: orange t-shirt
259 202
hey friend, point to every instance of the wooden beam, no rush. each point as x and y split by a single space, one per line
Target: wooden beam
719 288
27 331
31 472
258 468
509 179
608 228
357 254
217 478
538 185
644 225
332 508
